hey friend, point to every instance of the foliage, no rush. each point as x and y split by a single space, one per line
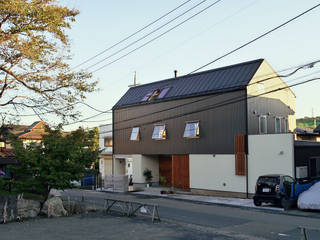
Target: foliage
147 173
34 50
162 180
54 163
308 122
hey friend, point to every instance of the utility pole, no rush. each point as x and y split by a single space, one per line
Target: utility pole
134 80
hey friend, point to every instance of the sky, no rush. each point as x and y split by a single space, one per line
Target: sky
209 35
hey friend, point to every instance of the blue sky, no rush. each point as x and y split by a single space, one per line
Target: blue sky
216 31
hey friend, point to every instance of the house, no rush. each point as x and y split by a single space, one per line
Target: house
28 134
106 164
211 132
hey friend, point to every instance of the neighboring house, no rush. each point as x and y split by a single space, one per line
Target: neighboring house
107 166
212 131
28 134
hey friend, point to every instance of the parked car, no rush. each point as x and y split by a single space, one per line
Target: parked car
273 188
279 189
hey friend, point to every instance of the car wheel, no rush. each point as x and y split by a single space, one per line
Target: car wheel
256 203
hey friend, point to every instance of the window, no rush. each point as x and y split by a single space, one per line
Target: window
159 132
163 93
277 125
2 144
314 167
263 124
135 134
108 142
191 130
155 94
286 125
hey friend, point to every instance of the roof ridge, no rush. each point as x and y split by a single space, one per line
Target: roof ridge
198 73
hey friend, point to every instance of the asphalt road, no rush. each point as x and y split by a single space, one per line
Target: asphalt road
179 220
223 220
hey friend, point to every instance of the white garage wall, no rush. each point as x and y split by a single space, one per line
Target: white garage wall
140 163
269 154
215 172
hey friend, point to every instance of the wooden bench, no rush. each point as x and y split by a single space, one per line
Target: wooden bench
132 208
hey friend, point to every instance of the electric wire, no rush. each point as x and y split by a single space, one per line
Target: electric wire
131 35
257 38
155 38
232 101
146 35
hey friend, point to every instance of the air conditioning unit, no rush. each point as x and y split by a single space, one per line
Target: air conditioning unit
302 172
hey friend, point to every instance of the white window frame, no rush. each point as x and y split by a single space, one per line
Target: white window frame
135 134
196 132
161 134
286 125
264 118
275 125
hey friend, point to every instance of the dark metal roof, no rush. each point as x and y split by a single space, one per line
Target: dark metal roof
223 79
306 144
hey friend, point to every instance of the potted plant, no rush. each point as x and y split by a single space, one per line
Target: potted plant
147 173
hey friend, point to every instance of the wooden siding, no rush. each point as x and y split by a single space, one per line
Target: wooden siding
180 171
240 155
219 121
165 169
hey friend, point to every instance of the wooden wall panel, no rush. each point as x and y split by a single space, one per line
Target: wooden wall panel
165 169
240 155
180 171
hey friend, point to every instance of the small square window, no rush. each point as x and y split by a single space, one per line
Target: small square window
135 134
263 124
159 132
108 142
192 130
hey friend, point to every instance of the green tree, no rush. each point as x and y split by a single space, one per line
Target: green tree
54 163
34 55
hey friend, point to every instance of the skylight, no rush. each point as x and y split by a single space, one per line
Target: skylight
155 94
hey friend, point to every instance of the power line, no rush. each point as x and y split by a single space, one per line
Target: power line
131 35
222 91
146 35
221 104
153 39
255 39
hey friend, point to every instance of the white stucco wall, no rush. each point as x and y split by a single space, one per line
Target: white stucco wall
140 163
215 172
269 154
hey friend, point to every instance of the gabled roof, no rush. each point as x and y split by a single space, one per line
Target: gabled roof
33 132
223 79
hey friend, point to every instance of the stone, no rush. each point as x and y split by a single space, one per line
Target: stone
54 193
53 207
28 208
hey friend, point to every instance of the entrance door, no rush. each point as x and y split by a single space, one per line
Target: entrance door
180 171
165 169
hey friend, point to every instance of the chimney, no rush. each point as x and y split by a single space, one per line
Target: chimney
175 73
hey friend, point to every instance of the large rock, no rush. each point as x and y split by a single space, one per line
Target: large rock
28 208
53 207
54 193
